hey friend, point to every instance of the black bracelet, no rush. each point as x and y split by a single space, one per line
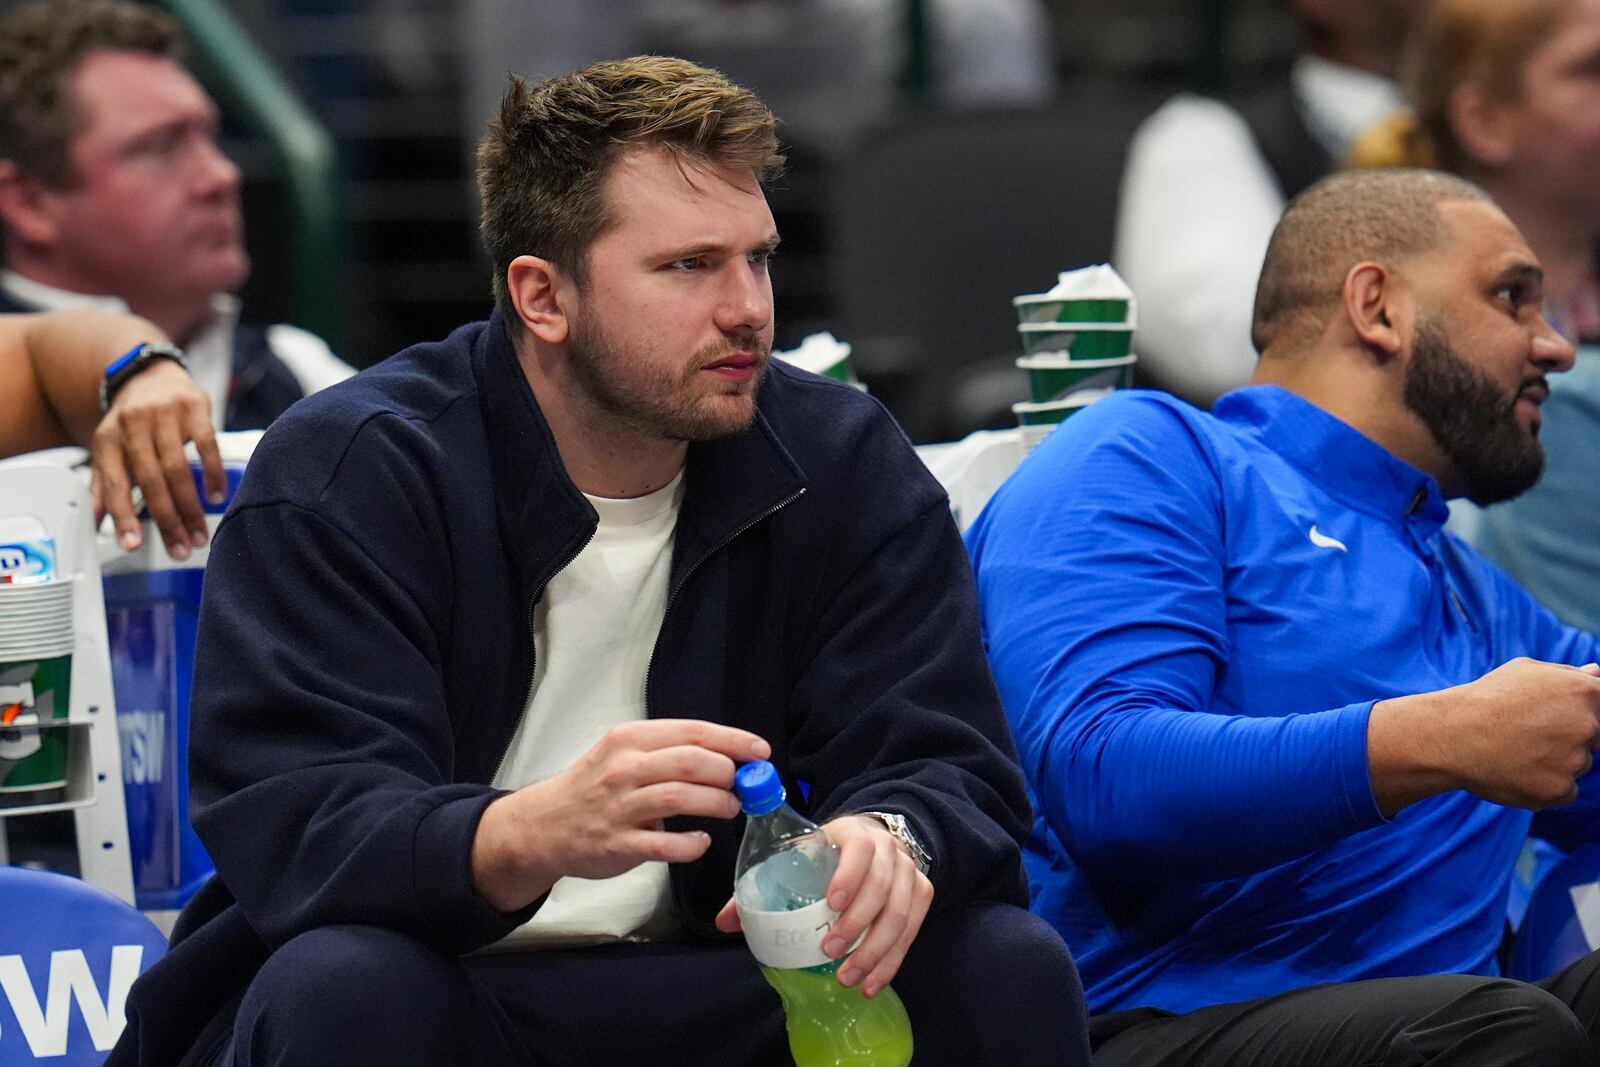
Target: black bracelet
130 363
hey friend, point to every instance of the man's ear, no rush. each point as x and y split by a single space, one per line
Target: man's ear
27 208
1379 307
538 291
1484 128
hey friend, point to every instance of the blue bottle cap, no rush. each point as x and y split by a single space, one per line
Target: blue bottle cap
759 788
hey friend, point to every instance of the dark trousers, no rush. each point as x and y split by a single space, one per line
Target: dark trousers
983 984
1458 1020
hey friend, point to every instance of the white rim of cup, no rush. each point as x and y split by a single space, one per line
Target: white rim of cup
1063 361
39 604
37 626
1081 399
1029 300
37 622
1074 327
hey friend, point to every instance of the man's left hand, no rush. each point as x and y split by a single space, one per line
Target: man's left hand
877 889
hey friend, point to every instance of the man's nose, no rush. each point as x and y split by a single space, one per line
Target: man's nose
217 173
746 298
1552 351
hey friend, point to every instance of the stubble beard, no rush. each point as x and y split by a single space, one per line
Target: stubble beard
653 402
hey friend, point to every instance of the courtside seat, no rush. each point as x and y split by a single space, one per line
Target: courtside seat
68 954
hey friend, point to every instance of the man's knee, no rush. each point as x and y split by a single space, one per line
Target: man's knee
1502 1021
985 969
1524 1016
997 940
336 985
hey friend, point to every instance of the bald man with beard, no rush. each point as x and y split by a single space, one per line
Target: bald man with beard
1285 734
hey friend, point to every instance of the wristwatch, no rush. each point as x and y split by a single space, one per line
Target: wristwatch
132 362
901 831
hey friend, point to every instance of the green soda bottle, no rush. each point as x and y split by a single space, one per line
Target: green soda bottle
780 886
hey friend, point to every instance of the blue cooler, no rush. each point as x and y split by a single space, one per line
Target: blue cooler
152 608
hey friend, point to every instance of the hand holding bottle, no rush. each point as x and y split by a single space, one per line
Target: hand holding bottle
784 885
878 890
601 816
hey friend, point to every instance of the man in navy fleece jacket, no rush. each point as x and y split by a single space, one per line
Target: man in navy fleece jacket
488 628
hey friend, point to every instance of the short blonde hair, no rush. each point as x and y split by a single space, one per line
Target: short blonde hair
543 163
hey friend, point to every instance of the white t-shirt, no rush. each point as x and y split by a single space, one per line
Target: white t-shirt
593 632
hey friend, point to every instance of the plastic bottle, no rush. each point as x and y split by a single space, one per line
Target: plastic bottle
780 887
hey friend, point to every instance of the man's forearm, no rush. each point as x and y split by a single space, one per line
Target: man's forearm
1154 793
69 351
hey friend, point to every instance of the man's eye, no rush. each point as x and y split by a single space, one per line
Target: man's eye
156 147
763 256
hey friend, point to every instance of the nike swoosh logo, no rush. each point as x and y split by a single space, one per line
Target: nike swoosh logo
1322 540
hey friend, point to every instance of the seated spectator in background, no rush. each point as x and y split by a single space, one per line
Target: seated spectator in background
1206 180
445 701
52 370
1278 724
832 68
1506 94
113 193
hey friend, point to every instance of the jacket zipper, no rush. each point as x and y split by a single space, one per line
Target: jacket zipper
533 661
678 904
683 579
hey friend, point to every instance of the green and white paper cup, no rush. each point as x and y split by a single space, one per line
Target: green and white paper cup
824 354
1053 377
1077 340
1037 420
1042 307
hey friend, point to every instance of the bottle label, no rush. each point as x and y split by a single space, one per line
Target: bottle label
789 939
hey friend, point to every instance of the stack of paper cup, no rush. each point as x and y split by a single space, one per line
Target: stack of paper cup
1077 343
35 681
824 354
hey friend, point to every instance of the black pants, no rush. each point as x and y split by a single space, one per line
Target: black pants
983 984
1393 1022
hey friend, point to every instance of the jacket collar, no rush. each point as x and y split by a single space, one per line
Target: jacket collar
1348 464
730 484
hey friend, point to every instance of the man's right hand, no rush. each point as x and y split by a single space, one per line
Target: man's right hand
601 816
1522 735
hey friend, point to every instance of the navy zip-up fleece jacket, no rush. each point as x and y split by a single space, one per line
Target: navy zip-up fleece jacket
365 656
